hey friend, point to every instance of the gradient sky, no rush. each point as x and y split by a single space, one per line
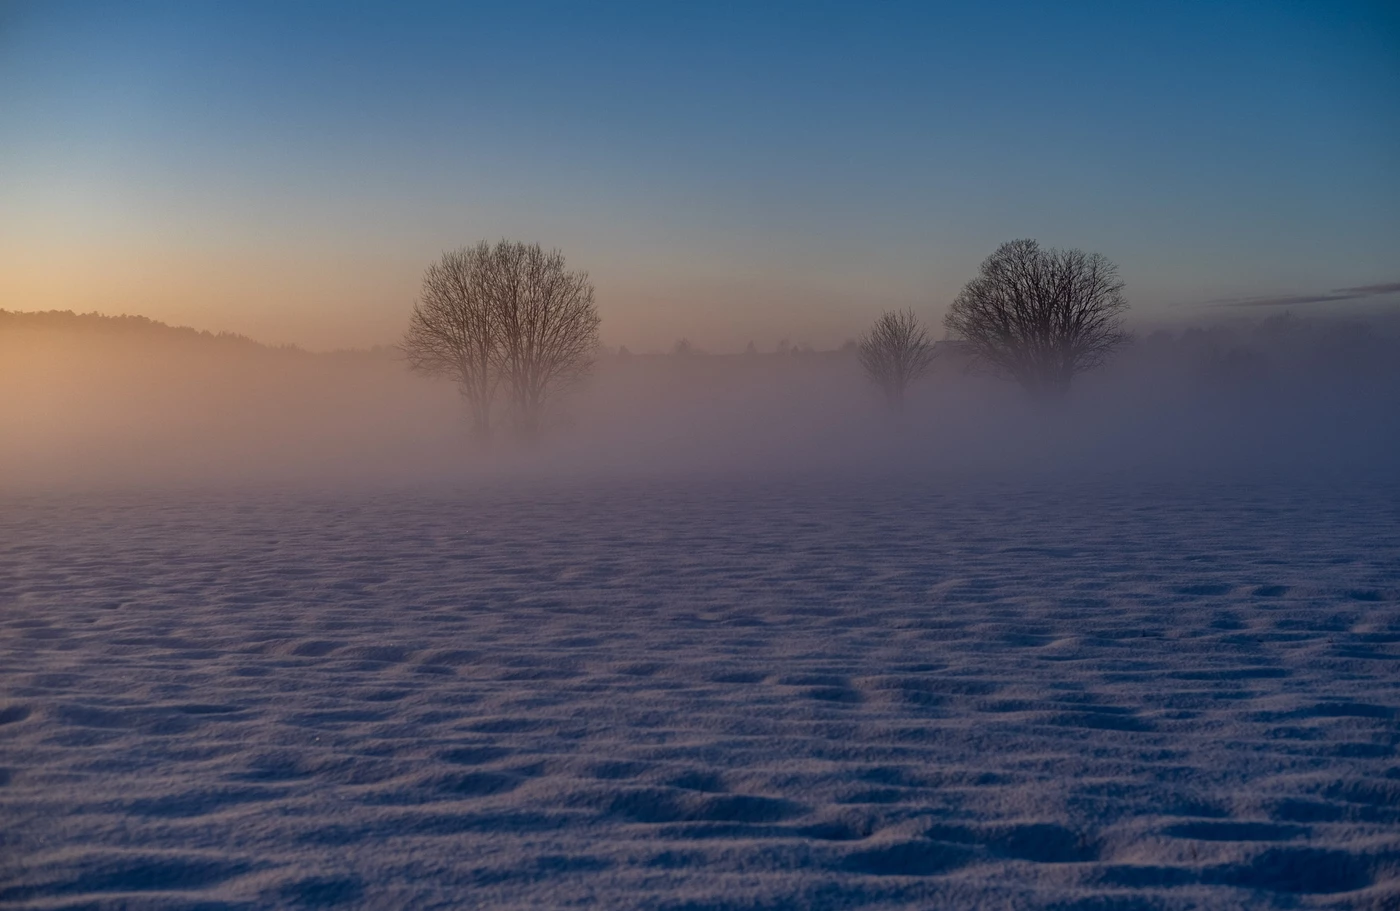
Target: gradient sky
725 171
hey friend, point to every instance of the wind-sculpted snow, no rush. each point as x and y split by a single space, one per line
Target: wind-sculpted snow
703 696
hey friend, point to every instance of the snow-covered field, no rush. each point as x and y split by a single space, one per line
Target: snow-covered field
705 695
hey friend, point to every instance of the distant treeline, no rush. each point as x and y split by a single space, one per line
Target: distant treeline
126 326
1246 350
68 321
1239 346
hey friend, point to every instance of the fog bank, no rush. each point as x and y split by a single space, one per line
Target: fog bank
95 402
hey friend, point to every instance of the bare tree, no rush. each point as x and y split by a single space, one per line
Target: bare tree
510 316
546 327
453 329
1040 316
895 352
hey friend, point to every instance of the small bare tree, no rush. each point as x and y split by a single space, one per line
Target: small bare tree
895 352
1041 316
453 329
546 327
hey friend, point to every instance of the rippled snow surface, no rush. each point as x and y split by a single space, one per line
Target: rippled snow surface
703 695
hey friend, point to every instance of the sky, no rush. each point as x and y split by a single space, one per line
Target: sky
726 172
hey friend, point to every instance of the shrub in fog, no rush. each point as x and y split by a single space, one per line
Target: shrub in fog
894 353
1041 316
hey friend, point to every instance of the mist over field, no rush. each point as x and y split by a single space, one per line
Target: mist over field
96 401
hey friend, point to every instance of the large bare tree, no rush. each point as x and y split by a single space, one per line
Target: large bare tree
1041 316
509 316
896 352
453 329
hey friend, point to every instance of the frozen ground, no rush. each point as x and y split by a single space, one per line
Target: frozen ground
708 696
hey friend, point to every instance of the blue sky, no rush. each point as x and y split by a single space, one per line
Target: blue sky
726 171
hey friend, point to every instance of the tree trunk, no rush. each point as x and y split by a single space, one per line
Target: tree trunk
894 397
481 423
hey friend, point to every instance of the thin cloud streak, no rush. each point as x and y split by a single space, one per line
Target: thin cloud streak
1369 290
1337 295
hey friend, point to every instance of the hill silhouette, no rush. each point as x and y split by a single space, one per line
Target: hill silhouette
125 325
130 327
